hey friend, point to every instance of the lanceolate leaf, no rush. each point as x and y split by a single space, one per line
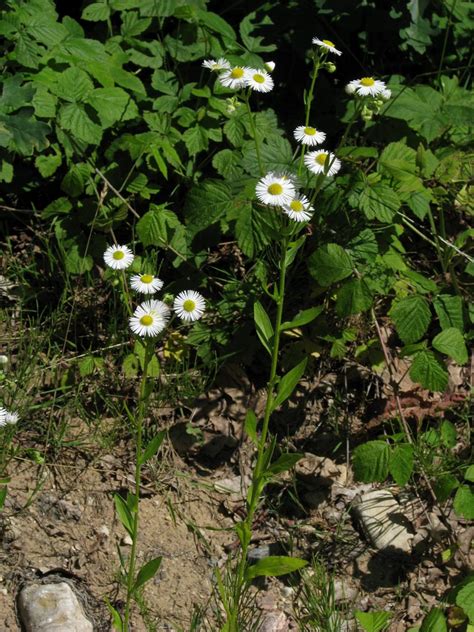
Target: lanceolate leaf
251 426
284 463
288 383
303 318
274 566
153 446
123 512
263 325
147 572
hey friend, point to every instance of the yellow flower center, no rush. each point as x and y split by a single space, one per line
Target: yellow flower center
189 305
296 206
259 78
146 320
237 73
275 189
146 278
118 254
328 43
367 81
321 159
309 131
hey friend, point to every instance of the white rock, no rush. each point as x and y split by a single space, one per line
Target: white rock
383 521
52 608
126 540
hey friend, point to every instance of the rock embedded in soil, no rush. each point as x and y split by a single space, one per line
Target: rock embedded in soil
51 608
383 522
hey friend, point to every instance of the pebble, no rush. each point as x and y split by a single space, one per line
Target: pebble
51 608
126 540
383 522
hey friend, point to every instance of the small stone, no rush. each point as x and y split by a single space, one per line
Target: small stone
344 592
275 622
126 540
51 608
383 522
229 485
104 531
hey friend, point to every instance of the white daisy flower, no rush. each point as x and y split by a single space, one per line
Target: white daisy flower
3 414
299 209
327 45
149 318
216 64
11 417
258 80
322 161
145 283
233 78
189 305
269 66
367 86
275 189
309 135
386 94
118 257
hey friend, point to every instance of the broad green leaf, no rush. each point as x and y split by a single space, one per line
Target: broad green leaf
123 513
215 23
73 85
276 154
373 621
153 363
227 164
96 12
364 247
451 342
401 463
464 501
87 366
23 134
288 383
133 25
47 165
73 182
469 474
112 105
419 203
304 317
465 599
274 566
130 365
263 325
61 206
234 130
371 461
196 139
428 371
444 485
329 264
420 108
380 202
284 463
155 226
77 261
73 118
448 433
15 95
449 310
147 572
411 316
206 203
251 426
153 446
353 297
252 227
434 622
247 26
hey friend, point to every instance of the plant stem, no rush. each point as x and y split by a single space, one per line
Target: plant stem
138 471
308 103
256 488
254 134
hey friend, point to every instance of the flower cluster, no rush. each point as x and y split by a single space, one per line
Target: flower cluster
372 93
8 417
151 317
238 77
279 189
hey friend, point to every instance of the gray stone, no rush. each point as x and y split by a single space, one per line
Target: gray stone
51 608
383 522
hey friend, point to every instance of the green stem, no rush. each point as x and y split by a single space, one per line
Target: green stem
138 472
254 134
125 292
256 488
308 102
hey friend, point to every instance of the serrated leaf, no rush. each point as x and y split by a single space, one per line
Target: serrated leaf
263 325
444 485
434 621
47 165
276 155
412 317
147 572
464 501
448 433
227 164
353 297
274 566
428 371
87 366
96 12
465 599
379 202
130 365
23 134
112 105
195 139
329 264
469 474
152 227
373 621
449 309
401 463
74 118
288 383
234 130
73 85
371 461
451 343
206 203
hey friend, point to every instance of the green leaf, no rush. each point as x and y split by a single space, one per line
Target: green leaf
61 206
444 485
263 325
250 426
284 463
353 297
419 203
130 365
147 572
234 130
44 103
112 105
401 463
304 317
434 621
451 343
411 316
77 261
371 461
73 117
274 566
206 203
227 164
153 447
3 495
469 474
373 621
96 12
329 264
73 85
47 165
73 182
123 513
152 227
449 311
22 133
288 383
195 139
215 23
87 366
254 228
464 501
364 246
379 202
276 154
428 371
465 599
448 433
116 618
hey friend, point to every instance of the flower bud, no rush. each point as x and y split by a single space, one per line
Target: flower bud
3 361
269 66
350 88
386 94
330 66
366 113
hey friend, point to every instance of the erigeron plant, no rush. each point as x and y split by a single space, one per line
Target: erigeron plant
294 195
147 322
8 420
